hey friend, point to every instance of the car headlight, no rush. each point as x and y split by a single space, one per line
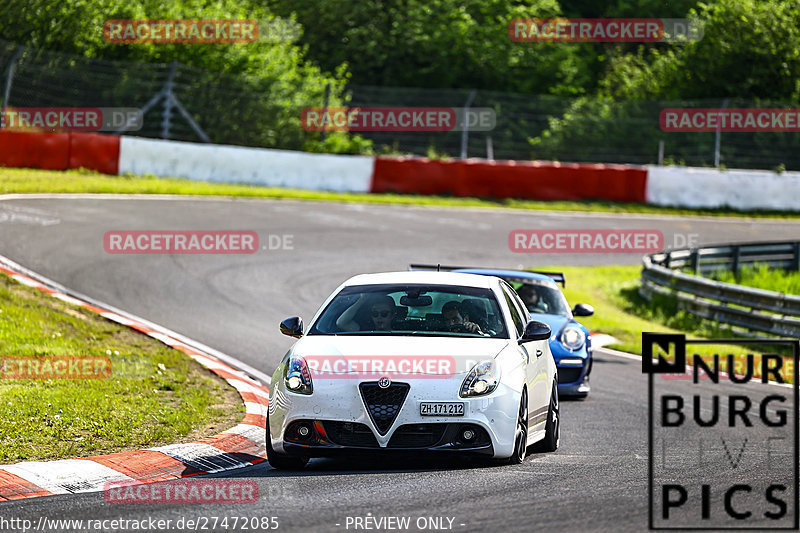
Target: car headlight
296 377
573 338
482 379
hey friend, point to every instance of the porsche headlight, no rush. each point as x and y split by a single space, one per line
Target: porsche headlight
482 379
296 377
573 338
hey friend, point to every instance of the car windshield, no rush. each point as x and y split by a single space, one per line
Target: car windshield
406 310
542 297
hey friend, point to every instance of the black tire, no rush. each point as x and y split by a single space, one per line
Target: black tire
552 427
521 433
280 461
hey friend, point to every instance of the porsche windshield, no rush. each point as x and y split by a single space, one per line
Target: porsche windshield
428 310
541 297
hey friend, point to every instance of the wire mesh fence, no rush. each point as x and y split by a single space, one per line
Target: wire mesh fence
230 109
586 130
239 110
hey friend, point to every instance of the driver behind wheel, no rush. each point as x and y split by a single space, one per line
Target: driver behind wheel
532 300
456 319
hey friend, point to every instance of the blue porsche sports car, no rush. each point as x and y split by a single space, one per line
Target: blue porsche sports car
571 342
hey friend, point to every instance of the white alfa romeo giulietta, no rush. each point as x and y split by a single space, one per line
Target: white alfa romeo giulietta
415 362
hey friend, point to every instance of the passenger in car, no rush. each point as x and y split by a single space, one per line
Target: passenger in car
382 311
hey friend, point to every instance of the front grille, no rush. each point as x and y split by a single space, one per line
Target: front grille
568 375
383 405
350 434
417 435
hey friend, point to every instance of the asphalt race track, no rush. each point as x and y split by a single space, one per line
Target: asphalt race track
596 481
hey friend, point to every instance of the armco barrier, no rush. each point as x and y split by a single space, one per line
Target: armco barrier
531 180
727 303
59 151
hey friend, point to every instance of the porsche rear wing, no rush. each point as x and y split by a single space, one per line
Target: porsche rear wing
558 277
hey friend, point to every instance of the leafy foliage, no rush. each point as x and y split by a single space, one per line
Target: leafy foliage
750 50
276 71
437 44
749 56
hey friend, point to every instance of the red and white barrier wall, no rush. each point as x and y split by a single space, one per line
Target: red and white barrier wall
530 180
60 151
236 164
708 187
533 180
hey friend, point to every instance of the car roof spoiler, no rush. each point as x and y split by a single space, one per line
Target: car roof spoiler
558 277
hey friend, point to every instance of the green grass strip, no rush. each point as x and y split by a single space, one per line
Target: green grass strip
15 180
155 395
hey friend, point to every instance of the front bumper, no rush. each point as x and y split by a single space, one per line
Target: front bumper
330 439
573 380
339 423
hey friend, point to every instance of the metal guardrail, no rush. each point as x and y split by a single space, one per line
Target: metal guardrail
752 309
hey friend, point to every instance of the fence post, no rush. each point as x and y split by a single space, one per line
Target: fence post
465 126
325 108
735 261
10 76
718 136
694 260
168 102
796 256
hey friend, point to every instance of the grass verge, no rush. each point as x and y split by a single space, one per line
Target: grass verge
622 313
155 395
16 180
761 276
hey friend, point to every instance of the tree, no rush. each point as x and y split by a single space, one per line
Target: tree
436 44
750 49
248 93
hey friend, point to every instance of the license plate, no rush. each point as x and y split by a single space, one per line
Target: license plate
441 408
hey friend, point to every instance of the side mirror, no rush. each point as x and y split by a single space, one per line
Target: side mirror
583 310
293 327
535 331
